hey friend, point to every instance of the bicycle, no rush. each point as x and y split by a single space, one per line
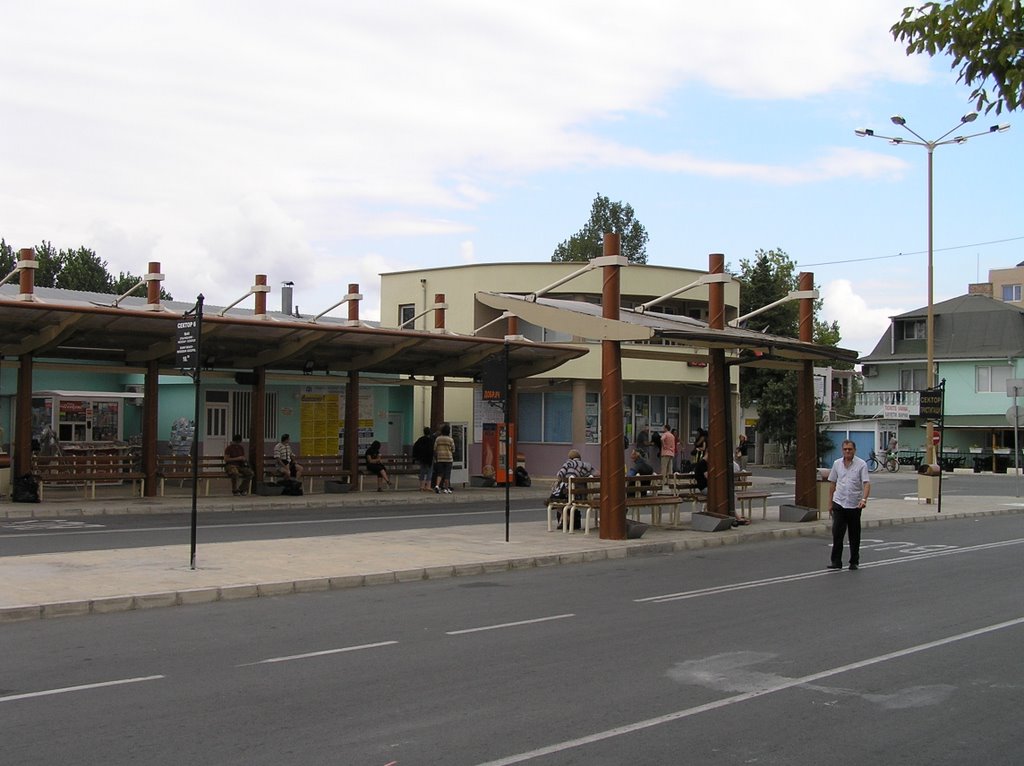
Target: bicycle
892 465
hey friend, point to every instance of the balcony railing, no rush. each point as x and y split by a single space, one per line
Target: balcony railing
891 405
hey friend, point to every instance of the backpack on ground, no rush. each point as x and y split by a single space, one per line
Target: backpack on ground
291 487
25 489
522 477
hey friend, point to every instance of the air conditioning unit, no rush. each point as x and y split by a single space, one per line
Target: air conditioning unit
134 388
869 370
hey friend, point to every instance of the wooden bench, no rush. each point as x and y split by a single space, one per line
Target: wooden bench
87 470
396 465
180 467
326 467
685 485
584 495
745 501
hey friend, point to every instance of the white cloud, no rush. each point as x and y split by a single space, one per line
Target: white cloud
860 324
236 138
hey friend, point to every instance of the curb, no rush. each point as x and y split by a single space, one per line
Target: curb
133 602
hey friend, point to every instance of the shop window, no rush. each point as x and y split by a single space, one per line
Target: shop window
545 417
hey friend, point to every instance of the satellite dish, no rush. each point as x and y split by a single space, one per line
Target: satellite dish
1015 416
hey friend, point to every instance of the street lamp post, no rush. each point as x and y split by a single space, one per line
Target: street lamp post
930 148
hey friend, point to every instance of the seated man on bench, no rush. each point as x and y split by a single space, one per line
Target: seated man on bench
236 466
575 465
284 458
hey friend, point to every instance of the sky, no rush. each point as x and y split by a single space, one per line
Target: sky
327 142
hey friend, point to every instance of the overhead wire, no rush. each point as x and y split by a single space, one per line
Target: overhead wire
916 252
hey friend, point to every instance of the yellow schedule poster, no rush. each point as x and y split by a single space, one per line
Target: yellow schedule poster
320 424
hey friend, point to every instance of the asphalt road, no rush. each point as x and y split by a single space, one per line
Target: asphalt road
737 654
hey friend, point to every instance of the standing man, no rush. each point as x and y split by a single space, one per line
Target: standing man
850 487
668 450
742 447
236 466
444 456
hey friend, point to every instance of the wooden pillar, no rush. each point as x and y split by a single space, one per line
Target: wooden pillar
257 423
22 442
261 288
153 279
437 391
613 458
719 457
27 274
350 456
150 419
350 453
806 493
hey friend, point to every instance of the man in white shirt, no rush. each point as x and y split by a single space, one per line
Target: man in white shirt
850 487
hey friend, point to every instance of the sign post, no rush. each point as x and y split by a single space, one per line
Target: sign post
189 354
494 379
932 406
1014 387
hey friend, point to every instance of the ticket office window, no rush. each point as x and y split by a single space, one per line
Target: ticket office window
87 420
74 420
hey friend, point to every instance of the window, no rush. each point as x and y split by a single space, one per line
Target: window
241 414
698 414
406 312
991 379
542 334
915 329
546 417
913 380
1011 293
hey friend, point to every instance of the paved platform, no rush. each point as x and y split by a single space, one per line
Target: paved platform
94 582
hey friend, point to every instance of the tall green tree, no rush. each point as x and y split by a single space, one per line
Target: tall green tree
767 277
82 269
79 269
985 39
605 217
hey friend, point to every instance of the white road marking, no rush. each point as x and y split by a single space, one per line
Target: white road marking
83 687
325 652
781 686
508 625
818 573
297 522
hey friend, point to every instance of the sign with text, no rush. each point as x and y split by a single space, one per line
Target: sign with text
188 343
494 379
931 404
896 411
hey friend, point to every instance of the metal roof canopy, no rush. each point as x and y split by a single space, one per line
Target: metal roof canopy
584 319
58 326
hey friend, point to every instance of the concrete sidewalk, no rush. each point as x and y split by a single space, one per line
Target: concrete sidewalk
95 582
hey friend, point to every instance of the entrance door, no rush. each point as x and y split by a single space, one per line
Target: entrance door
215 432
396 433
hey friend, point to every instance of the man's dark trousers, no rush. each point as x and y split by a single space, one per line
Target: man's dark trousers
845 520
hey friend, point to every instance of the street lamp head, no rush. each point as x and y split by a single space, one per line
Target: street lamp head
895 141
897 120
999 128
969 117
960 140
869 132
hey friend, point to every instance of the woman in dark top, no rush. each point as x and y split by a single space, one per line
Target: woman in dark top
375 466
